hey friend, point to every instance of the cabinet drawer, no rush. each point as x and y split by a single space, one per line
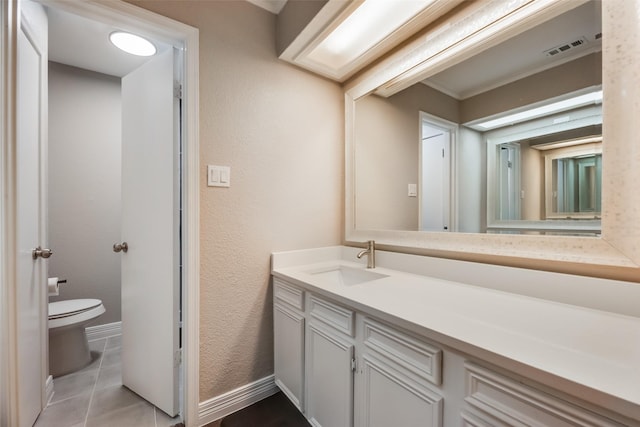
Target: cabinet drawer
511 403
288 294
409 353
332 315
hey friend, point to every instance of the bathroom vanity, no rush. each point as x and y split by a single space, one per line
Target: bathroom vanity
467 340
420 341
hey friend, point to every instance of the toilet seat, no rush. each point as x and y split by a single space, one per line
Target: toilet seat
67 308
72 312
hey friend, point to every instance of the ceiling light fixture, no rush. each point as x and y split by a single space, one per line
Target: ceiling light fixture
545 110
132 44
368 25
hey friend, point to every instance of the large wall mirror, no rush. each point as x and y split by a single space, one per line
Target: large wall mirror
483 139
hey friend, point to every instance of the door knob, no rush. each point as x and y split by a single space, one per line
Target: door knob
42 253
117 247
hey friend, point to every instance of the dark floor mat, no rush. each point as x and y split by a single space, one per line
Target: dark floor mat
274 411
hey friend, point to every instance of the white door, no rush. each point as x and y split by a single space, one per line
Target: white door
31 212
435 187
150 226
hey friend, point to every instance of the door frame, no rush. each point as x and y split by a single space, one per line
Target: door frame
8 204
151 25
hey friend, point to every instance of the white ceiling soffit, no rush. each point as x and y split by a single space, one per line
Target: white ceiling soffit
334 13
273 6
84 43
525 54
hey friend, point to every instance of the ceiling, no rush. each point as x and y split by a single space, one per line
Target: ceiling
83 43
273 6
77 41
524 55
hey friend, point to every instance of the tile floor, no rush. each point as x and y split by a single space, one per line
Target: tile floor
95 397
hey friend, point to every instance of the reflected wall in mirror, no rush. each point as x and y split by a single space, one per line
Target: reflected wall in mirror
444 155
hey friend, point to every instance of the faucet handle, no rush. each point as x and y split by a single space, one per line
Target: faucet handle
371 254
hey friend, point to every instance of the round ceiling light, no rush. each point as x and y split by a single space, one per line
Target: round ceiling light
132 44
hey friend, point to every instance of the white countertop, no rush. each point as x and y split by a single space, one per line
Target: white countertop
596 349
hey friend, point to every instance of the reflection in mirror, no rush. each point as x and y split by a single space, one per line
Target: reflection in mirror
448 154
508 173
574 181
576 189
521 178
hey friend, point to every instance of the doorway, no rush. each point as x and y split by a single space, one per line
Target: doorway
146 209
128 17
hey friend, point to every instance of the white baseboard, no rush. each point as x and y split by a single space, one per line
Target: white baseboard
103 331
230 402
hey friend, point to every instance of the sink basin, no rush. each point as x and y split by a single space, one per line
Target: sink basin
347 276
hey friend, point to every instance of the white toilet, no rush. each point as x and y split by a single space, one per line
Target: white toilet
68 347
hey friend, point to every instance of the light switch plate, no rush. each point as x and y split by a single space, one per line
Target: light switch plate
218 176
412 190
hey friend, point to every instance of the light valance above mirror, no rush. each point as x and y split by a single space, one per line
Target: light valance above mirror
608 210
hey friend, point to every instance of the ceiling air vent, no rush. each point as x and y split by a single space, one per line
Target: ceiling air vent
566 47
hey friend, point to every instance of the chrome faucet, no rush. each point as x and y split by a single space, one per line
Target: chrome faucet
371 252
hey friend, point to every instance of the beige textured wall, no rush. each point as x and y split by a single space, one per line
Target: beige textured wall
281 131
386 161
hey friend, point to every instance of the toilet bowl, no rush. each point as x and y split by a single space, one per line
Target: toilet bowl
68 347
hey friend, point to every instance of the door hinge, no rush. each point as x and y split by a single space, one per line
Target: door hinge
177 357
353 364
177 90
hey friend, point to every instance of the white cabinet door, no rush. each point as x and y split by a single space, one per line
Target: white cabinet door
289 352
388 398
398 379
329 378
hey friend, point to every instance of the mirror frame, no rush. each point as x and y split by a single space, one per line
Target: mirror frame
477 26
